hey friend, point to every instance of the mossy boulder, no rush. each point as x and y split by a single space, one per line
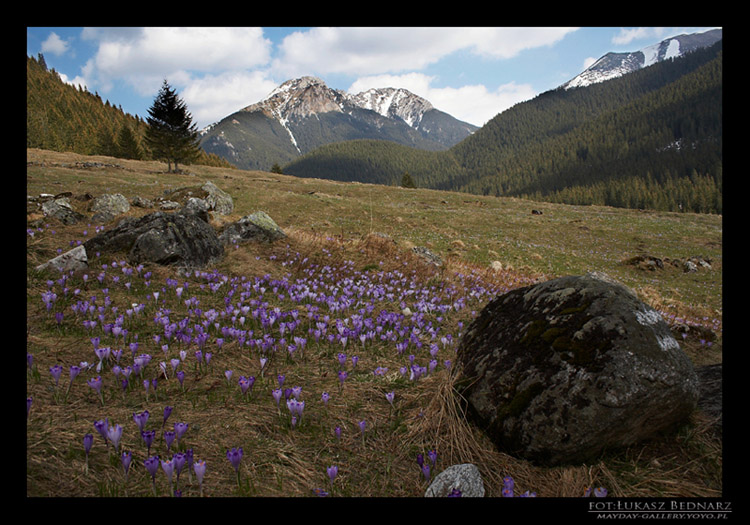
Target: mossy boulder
256 227
560 371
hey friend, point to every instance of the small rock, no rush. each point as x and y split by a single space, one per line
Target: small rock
465 478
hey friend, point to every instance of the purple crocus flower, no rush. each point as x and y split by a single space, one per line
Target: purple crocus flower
432 454
101 426
169 436
114 433
88 440
126 458
325 397
152 466
389 397
56 372
199 467
141 419
148 438
332 472
277 396
179 430
235 456
167 412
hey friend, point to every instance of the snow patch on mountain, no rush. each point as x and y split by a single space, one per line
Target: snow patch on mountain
613 65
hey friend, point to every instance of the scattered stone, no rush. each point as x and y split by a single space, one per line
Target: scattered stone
497 266
142 202
61 210
536 212
559 371
106 207
72 260
427 255
258 227
465 478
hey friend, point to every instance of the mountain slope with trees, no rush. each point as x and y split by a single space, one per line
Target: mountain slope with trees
650 139
61 117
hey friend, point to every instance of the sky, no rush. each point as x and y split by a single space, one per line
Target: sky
470 73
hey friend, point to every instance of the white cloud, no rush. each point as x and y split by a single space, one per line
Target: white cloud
471 103
626 36
588 62
55 45
377 50
214 97
144 57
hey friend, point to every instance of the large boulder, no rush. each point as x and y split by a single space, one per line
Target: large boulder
560 371
179 239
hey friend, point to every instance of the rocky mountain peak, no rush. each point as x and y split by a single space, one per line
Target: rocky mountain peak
393 102
300 98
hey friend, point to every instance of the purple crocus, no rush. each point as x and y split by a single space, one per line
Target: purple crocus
332 472
169 436
167 412
235 456
325 397
167 466
199 467
114 433
88 441
101 426
152 466
96 384
56 372
126 458
148 438
141 419
179 430
389 397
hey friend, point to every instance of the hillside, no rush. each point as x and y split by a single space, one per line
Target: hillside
346 242
61 117
650 139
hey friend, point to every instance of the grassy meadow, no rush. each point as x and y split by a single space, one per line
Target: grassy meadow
332 348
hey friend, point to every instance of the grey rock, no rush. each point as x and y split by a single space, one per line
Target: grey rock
72 260
219 201
176 239
110 204
560 371
257 227
61 210
427 255
465 478
142 202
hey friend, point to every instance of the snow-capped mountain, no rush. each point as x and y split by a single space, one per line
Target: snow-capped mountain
304 113
613 65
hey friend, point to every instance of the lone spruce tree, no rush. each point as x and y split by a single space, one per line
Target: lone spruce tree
171 134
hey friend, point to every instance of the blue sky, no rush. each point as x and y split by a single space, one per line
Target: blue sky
471 73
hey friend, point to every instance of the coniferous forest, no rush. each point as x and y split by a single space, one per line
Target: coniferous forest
61 117
651 139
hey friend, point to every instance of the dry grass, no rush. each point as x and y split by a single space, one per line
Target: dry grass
280 460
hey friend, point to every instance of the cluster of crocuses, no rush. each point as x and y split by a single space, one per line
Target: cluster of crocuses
206 313
172 463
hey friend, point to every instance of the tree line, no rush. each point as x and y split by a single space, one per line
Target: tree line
62 117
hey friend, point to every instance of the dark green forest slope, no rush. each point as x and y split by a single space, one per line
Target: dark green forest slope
650 139
61 117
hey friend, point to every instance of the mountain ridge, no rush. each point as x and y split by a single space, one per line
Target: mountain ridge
304 113
614 64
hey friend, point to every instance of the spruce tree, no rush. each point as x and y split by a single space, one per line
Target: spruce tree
171 134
